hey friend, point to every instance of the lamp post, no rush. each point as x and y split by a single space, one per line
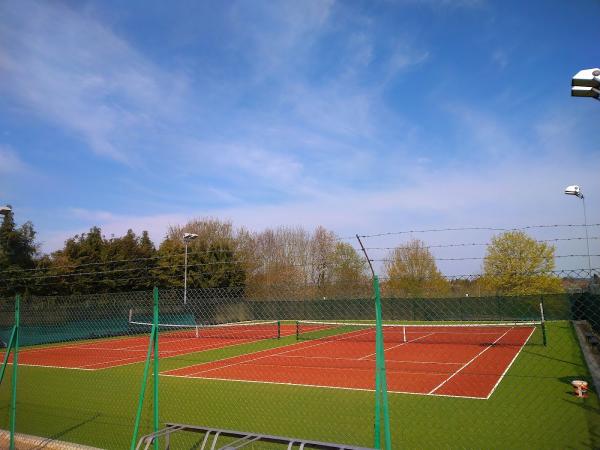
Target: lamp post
187 238
576 191
4 210
586 83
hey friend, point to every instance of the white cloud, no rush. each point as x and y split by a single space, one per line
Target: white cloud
74 72
405 56
10 162
520 191
285 31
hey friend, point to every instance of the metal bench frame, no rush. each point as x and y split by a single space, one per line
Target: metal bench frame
241 439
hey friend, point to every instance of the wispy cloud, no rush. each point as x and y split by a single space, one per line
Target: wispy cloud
10 162
500 58
78 74
361 119
283 34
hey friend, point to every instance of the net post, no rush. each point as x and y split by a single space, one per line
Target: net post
156 361
13 401
138 417
543 323
297 330
278 329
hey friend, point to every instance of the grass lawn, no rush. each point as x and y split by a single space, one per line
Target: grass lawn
533 407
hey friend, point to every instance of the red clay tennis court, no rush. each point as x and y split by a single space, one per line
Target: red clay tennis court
97 354
446 360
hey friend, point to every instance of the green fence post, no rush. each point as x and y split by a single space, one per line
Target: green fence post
377 427
13 401
380 377
138 417
7 354
156 360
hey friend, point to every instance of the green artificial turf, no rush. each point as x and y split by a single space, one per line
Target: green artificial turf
533 407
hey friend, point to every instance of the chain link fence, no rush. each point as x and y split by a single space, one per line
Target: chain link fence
463 371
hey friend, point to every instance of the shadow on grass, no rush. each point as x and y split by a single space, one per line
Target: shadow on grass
57 436
552 358
593 420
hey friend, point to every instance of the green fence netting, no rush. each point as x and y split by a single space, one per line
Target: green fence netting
469 372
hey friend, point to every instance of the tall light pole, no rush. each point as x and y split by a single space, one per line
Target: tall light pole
576 191
187 238
4 210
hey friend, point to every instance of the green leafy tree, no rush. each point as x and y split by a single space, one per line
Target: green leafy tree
91 263
412 272
134 259
18 252
515 264
347 266
213 257
17 244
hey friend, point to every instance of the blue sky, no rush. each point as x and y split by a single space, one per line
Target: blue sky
363 117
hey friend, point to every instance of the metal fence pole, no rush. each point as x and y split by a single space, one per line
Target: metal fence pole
13 401
156 358
380 380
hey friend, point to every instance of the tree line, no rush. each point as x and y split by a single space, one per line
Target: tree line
220 257
313 264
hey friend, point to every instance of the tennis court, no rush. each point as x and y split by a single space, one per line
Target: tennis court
95 354
442 360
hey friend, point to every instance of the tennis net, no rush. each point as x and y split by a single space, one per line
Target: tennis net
236 330
487 334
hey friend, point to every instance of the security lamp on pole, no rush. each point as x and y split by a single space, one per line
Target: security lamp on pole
187 238
586 83
576 191
4 210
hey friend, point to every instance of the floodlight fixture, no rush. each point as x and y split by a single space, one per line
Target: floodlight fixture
576 191
187 238
5 210
586 83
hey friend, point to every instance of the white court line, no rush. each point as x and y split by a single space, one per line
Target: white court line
399 345
361 369
511 363
52 367
112 362
188 351
321 386
298 347
83 347
136 360
360 359
469 362
179 353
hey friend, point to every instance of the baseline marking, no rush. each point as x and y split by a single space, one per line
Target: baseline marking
361 359
320 386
